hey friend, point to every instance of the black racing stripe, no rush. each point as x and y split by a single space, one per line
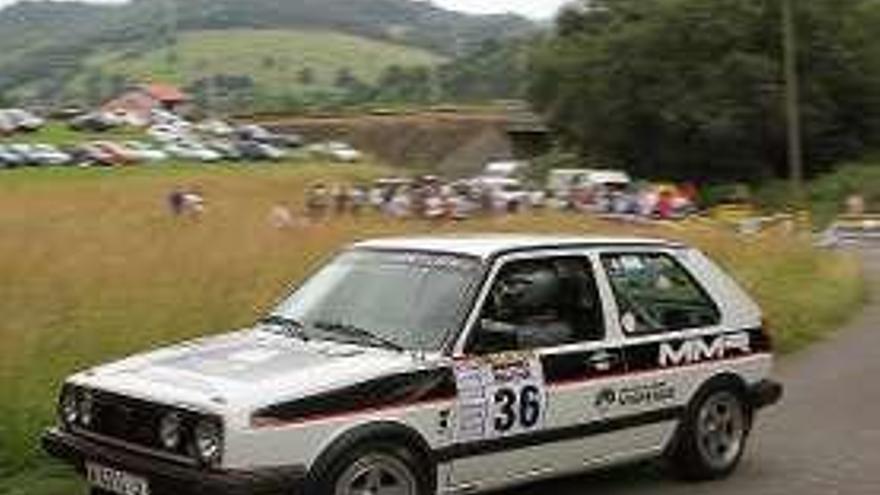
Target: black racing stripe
526 440
646 357
580 366
394 390
439 384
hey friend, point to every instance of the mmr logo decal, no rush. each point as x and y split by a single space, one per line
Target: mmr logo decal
698 350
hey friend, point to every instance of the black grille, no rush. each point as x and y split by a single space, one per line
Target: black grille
130 420
127 419
135 423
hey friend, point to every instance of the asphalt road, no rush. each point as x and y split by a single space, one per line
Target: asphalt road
823 438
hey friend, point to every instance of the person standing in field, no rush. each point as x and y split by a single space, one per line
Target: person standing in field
855 205
194 203
280 216
317 202
176 201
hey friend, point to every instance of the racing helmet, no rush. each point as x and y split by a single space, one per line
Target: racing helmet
528 290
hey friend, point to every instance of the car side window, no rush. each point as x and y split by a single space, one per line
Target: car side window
655 293
539 303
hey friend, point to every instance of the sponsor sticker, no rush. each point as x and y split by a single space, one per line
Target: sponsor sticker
644 394
499 396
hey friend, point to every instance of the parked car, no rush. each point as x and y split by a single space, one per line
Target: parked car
9 158
45 154
189 150
88 154
215 127
166 133
120 154
227 149
145 152
336 151
92 122
25 151
482 362
253 132
22 120
255 150
7 127
164 117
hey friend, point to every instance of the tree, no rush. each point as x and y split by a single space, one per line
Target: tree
306 76
693 88
345 78
494 70
93 87
405 84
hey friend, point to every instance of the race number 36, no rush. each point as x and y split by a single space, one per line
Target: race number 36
519 409
500 397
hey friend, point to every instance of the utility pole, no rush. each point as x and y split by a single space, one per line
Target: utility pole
792 102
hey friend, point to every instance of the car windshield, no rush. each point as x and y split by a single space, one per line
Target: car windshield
407 300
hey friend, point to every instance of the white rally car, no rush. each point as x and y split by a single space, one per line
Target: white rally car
439 365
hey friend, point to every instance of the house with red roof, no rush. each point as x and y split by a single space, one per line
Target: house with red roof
139 101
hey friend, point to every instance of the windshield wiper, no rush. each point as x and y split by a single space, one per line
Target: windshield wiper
291 327
359 333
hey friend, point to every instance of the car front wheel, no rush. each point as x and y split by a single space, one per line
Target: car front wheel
374 468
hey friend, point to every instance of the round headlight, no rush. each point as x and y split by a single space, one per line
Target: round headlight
170 431
208 441
69 406
86 409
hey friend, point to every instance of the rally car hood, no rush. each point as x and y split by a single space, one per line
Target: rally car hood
242 370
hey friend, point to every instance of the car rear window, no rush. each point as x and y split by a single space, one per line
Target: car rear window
655 293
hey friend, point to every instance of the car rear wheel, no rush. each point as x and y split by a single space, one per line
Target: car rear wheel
713 436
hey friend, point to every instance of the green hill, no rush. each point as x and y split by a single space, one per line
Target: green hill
49 48
277 61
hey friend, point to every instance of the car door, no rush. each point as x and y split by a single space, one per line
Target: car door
674 340
529 372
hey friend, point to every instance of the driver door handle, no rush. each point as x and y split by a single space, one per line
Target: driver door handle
602 360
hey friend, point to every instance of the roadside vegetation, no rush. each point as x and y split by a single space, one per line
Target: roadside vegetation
94 268
827 194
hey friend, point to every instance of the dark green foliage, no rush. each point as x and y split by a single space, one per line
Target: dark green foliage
693 88
306 76
495 70
405 84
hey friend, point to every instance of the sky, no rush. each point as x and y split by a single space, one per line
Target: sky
536 9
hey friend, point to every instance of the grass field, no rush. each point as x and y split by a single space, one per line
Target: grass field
93 268
273 58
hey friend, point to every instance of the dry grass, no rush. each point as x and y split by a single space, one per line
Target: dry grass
93 268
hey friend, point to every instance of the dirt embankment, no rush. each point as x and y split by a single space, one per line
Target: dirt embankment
454 144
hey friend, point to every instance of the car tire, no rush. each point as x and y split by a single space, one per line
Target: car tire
373 467
712 436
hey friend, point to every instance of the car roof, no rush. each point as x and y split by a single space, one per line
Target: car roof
490 245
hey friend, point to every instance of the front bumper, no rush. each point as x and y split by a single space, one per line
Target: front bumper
166 477
765 393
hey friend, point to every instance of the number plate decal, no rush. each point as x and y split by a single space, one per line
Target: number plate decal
499 396
115 481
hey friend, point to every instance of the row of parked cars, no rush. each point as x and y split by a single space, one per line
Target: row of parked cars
110 153
170 137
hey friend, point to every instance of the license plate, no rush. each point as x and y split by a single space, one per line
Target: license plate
116 481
